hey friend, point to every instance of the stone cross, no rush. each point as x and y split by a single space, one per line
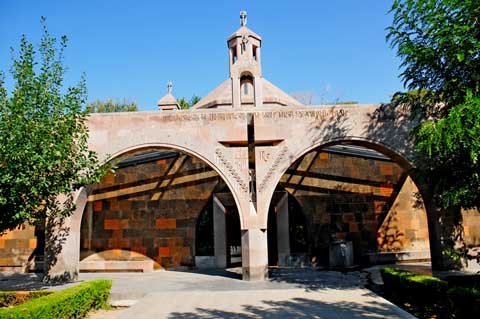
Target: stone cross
251 143
169 87
243 18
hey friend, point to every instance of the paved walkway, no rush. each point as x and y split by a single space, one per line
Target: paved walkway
296 293
301 293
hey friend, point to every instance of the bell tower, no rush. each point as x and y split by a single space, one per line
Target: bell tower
245 66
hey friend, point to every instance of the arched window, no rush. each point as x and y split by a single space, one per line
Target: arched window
247 89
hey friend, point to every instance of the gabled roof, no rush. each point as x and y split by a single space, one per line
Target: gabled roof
222 96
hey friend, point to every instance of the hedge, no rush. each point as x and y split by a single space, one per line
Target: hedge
414 285
74 302
432 295
464 302
13 298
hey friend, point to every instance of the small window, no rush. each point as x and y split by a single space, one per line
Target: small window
245 88
254 53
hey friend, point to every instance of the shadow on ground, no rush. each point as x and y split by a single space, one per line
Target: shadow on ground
298 308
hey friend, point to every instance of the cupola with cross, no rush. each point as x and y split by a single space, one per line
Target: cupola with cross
168 102
245 65
246 86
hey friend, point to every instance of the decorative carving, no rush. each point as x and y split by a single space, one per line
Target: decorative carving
271 170
223 160
324 114
264 156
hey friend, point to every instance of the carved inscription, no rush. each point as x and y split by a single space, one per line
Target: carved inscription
302 114
221 159
323 114
194 116
264 156
271 170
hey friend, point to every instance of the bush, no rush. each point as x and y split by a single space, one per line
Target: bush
74 302
464 302
414 285
13 298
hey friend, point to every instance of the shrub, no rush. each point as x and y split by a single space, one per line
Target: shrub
413 284
74 302
464 302
13 298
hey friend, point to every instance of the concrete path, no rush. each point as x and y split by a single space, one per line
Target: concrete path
301 293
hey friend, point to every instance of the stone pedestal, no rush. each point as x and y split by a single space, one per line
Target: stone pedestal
219 234
254 254
283 238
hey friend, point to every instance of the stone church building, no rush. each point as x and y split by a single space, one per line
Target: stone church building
249 177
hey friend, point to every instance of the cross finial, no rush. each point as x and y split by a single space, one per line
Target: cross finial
169 87
243 18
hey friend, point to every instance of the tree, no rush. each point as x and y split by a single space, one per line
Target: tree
110 106
43 136
185 105
439 44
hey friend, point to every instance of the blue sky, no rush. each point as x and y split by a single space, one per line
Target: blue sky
130 49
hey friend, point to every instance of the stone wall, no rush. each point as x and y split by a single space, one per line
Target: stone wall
22 250
148 211
368 201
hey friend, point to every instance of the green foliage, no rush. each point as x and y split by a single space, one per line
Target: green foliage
412 283
432 297
464 302
43 137
439 44
74 302
452 146
13 298
110 106
423 296
185 105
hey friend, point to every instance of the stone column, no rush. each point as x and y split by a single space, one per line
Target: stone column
236 101
258 98
62 242
254 254
283 238
219 234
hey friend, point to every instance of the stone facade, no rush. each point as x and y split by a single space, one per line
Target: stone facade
22 250
246 137
147 211
371 202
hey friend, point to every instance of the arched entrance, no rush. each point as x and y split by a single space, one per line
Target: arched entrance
349 191
145 215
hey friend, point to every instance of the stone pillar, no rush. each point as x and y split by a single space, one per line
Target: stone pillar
283 237
258 98
62 242
254 254
236 102
219 234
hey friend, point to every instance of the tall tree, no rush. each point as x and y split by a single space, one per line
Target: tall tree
111 105
43 136
438 42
